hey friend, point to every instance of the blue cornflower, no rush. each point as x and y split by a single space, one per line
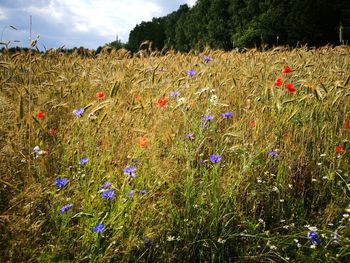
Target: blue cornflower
174 94
191 72
313 236
273 154
84 160
215 158
60 182
130 170
148 242
143 191
78 112
190 136
131 193
207 59
208 117
226 114
106 184
98 228
108 194
65 208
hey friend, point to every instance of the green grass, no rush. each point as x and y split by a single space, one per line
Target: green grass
249 207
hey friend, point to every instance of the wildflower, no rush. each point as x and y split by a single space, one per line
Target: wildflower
108 194
130 170
83 160
98 228
60 182
65 208
313 236
226 114
215 158
347 124
191 72
147 242
174 94
40 114
278 82
290 87
106 184
273 154
162 102
37 152
339 149
286 70
221 240
207 59
130 193
208 117
189 136
143 141
137 98
335 236
252 123
134 161
100 95
52 132
143 192
170 238
78 112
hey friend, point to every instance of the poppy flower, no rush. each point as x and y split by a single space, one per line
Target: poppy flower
347 124
278 82
138 98
162 102
290 87
339 149
252 123
142 141
286 70
40 114
100 95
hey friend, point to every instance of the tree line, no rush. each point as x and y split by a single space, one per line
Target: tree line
228 24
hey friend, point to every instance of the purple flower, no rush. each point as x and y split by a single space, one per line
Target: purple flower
60 182
108 194
190 136
106 184
207 59
131 193
313 238
208 117
226 114
148 242
65 208
174 94
215 158
130 170
191 72
78 112
273 154
84 160
98 228
134 161
143 191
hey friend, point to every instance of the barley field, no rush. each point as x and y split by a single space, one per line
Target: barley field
201 157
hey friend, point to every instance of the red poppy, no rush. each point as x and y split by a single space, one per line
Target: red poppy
52 132
138 98
286 70
339 149
278 82
252 123
162 102
40 114
290 87
142 141
347 124
100 95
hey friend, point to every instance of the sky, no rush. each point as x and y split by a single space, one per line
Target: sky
75 23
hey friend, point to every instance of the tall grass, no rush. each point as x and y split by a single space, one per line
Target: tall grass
280 175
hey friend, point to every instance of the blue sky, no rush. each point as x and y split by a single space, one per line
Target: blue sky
88 23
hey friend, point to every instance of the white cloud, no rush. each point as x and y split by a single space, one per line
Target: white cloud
88 23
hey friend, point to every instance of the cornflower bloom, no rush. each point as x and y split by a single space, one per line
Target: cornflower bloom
226 114
207 59
215 158
273 154
83 160
98 228
65 208
313 236
107 194
174 94
78 112
60 182
106 184
191 72
208 117
130 170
